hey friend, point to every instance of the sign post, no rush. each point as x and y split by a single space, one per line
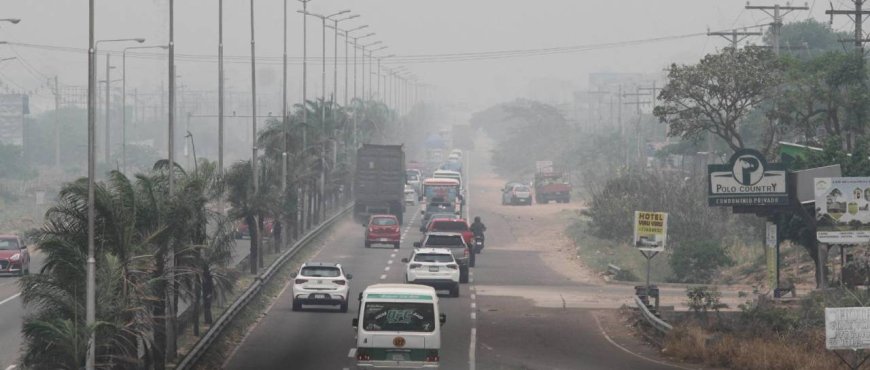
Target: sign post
848 329
772 244
650 236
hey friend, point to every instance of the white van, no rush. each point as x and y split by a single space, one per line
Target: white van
399 326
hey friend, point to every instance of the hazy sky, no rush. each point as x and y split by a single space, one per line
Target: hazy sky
408 27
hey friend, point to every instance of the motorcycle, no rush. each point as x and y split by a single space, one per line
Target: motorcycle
478 244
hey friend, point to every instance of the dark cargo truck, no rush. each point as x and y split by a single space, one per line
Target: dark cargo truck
379 182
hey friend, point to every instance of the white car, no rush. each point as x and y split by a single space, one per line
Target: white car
433 267
410 196
320 283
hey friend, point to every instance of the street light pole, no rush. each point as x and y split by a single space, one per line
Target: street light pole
221 98
170 321
335 62
124 99
254 262
91 284
284 122
366 96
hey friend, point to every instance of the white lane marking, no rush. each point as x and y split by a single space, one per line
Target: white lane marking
472 350
383 277
16 295
389 262
471 280
474 315
393 255
351 353
601 329
473 305
471 273
387 268
473 296
11 367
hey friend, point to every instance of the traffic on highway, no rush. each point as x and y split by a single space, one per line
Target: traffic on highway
452 184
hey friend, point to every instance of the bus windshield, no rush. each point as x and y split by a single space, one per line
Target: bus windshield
399 316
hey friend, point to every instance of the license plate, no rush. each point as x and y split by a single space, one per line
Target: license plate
399 356
320 296
384 239
433 268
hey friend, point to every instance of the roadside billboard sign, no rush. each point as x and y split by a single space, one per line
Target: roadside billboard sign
544 166
650 231
847 328
747 180
843 210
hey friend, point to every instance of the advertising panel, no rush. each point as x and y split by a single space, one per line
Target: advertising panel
650 231
747 180
843 210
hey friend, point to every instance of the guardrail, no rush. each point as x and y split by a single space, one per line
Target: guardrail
260 281
660 325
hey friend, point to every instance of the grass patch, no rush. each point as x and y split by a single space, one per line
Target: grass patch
598 253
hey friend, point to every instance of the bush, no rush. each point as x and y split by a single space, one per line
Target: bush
697 262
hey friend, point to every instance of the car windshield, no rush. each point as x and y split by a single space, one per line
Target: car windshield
521 188
321 271
399 316
8 244
384 221
433 257
450 226
454 241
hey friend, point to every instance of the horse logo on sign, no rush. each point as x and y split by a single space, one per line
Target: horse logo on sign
399 342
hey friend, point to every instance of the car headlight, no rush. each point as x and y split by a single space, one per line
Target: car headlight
15 257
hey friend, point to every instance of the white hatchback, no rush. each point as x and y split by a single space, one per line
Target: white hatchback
433 267
320 283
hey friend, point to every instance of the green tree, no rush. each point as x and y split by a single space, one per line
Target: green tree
717 93
697 261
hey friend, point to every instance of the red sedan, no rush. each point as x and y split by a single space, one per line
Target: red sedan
383 229
14 257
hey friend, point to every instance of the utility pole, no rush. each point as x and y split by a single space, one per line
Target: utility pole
107 150
637 103
56 124
734 36
255 262
221 98
857 16
171 347
777 12
304 220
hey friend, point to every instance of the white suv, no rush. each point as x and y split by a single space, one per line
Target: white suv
320 283
434 267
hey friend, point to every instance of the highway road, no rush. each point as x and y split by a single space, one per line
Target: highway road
500 321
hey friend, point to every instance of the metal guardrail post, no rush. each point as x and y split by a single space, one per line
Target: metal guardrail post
660 325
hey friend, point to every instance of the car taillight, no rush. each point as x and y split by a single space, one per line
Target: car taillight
415 265
432 356
362 355
339 282
453 267
301 281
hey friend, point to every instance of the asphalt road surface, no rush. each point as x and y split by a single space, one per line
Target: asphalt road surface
483 331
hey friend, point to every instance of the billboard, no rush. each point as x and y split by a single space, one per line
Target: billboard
650 231
747 180
843 210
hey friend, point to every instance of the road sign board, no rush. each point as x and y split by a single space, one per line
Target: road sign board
847 328
843 210
650 231
747 180
770 242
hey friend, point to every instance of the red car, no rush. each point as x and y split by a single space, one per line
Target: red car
452 225
14 257
383 229
243 233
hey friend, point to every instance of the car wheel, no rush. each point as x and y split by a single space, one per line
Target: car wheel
297 306
396 245
472 260
454 291
343 306
368 245
463 275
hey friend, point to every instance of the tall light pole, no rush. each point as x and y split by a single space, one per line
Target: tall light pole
221 97
124 99
302 213
91 284
254 262
335 59
169 322
347 38
378 74
365 96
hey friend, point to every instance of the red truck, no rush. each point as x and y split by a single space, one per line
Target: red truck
551 184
